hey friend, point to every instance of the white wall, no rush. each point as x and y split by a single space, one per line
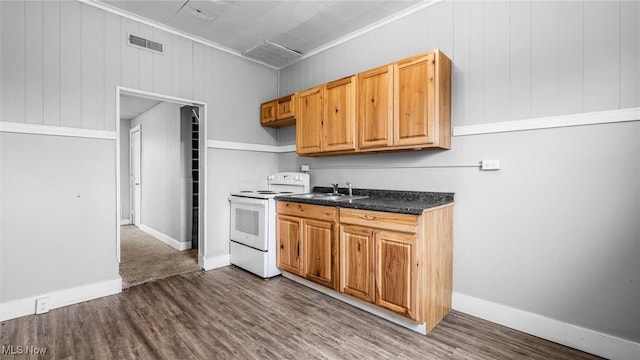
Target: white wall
60 64
160 165
125 190
511 59
554 233
234 171
58 227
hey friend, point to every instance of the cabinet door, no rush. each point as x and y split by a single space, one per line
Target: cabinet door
268 112
395 271
309 121
319 247
339 123
356 262
375 107
285 107
290 246
414 98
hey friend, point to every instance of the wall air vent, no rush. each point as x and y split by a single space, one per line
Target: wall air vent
137 41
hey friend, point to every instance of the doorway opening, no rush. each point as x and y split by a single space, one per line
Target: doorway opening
161 170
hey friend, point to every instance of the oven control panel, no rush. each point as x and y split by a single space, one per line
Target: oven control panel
288 178
289 181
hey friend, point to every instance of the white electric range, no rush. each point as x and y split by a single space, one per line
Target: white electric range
253 222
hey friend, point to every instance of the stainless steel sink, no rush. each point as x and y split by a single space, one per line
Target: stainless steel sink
341 197
308 196
328 197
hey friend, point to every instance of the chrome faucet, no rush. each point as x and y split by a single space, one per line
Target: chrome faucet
350 188
335 188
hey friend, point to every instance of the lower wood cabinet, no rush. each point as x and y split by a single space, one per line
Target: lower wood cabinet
396 267
356 262
290 246
308 242
319 241
400 262
378 267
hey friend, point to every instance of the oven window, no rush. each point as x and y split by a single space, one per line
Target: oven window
247 221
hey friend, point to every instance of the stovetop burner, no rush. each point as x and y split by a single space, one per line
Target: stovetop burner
277 184
266 192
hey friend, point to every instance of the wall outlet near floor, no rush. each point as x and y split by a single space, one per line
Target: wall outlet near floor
42 305
490 165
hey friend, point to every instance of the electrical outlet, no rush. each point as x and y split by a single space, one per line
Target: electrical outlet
304 168
42 305
490 165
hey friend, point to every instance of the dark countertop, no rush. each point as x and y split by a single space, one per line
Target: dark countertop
402 202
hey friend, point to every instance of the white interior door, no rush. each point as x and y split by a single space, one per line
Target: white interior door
135 174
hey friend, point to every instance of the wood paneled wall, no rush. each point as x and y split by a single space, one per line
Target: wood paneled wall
512 60
62 60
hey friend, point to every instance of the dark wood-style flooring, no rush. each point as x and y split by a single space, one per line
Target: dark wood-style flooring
230 314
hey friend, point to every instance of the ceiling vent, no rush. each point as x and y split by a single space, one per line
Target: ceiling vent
145 44
273 54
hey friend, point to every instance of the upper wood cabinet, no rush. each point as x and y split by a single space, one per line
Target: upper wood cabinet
309 121
286 107
406 105
279 112
399 106
339 120
414 101
326 118
375 107
268 112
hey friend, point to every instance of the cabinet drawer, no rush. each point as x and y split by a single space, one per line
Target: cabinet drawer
380 220
317 212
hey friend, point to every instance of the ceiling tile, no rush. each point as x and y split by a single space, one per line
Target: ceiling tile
213 9
241 25
160 11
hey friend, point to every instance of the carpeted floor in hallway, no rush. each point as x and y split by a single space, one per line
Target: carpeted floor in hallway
144 258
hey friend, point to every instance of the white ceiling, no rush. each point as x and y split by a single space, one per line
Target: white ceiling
252 27
132 106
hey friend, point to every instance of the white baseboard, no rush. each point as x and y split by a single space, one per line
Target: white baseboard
580 338
27 306
125 221
178 245
214 262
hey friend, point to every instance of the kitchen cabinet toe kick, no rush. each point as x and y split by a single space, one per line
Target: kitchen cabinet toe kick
403 321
